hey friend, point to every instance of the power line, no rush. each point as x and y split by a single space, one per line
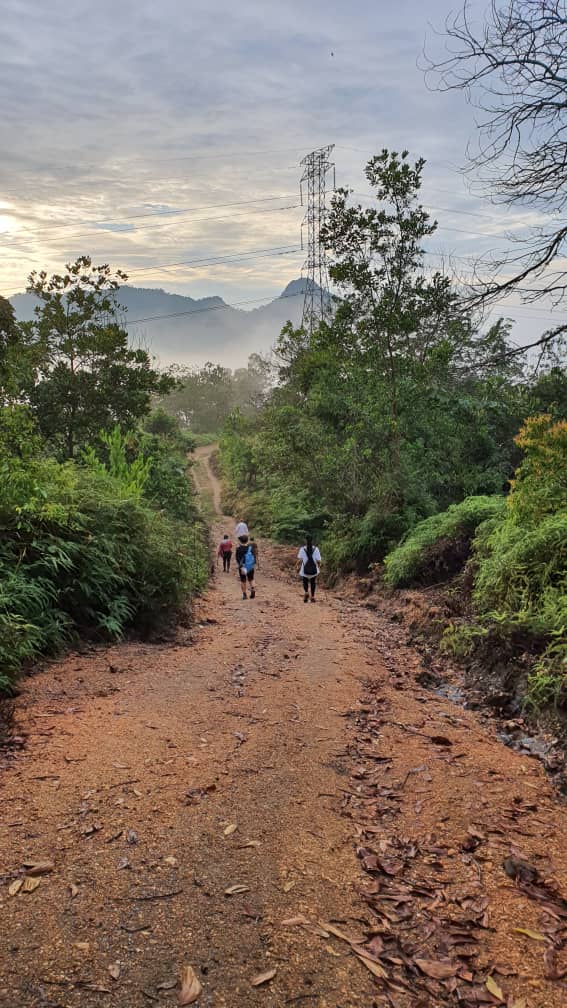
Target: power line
220 259
445 227
221 307
156 227
155 213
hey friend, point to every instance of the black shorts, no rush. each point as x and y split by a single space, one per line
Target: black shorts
244 577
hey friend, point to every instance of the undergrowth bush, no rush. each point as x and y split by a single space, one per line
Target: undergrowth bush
521 561
421 551
84 553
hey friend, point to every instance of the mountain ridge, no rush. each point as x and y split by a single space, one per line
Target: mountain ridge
219 332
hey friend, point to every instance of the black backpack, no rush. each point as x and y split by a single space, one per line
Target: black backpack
309 567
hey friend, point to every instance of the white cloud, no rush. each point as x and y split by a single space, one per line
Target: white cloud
124 107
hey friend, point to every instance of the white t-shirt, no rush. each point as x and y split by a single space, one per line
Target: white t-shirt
241 530
302 555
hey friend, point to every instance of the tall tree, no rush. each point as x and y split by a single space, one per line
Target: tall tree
514 69
399 405
88 377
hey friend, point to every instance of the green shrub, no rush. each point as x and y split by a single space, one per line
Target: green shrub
418 553
293 515
520 563
521 582
83 553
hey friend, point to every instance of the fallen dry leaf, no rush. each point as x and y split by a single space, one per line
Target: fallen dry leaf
81 946
288 886
249 843
230 829
319 931
14 887
190 986
493 988
115 971
234 889
349 939
263 978
38 867
531 934
73 890
439 969
295 921
171 861
375 968
30 884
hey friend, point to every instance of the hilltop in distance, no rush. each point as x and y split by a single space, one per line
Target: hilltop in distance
198 330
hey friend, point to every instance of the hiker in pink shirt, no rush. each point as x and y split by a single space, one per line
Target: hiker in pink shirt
225 551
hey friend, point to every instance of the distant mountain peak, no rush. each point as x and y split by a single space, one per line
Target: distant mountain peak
185 330
296 287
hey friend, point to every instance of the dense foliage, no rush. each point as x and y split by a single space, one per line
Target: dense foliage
203 397
99 532
73 363
392 432
390 411
440 545
519 559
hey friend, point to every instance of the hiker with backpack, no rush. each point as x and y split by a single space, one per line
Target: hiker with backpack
225 551
309 567
246 555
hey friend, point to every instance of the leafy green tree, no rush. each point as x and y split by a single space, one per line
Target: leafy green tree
396 407
89 378
204 397
16 356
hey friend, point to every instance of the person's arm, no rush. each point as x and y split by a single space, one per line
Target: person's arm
300 560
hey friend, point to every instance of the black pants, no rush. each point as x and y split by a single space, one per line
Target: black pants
226 557
306 582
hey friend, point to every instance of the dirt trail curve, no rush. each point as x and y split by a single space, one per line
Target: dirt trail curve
288 751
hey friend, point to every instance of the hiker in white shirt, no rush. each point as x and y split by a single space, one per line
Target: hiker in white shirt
241 529
309 567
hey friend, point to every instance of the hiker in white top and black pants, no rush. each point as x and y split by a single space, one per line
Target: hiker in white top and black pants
309 567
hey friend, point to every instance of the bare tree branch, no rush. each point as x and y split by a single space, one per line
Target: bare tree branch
514 69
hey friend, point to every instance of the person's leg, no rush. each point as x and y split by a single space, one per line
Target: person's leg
252 584
224 562
228 559
313 586
305 589
243 585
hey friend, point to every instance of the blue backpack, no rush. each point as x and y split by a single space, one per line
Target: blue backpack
248 560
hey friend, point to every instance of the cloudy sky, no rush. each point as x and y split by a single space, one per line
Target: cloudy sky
148 134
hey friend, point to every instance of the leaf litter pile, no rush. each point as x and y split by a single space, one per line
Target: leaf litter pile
434 934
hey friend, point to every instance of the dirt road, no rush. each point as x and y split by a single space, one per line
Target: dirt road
272 791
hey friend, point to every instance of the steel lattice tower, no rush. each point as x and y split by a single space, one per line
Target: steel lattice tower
317 300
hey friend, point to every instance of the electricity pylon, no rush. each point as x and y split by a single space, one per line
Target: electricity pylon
317 299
